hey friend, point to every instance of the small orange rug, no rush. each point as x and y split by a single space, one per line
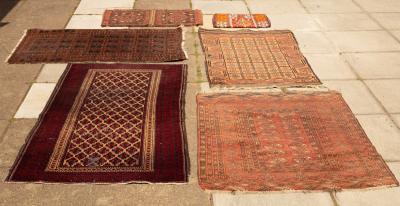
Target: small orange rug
262 142
241 21
264 58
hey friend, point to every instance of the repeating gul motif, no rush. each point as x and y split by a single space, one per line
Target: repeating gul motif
262 142
255 58
91 45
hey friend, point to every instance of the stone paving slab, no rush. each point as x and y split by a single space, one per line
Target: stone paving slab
396 34
396 118
331 6
273 199
162 4
387 92
11 94
301 22
330 66
35 100
314 42
51 73
211 7
388 20
362 41
384 135
99 6
275 6
20 194
13 139
85 22
379 6
149 194
357 96
346 22
375 65
13 72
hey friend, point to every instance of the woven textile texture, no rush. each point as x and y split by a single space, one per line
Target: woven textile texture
241 21
262 142
255 58
109 123
97 45
151 18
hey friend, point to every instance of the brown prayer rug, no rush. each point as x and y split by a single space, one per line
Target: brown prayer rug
98 45
263 142
151 18
255 58
109 123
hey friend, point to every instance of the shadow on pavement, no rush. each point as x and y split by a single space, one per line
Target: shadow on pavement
5 7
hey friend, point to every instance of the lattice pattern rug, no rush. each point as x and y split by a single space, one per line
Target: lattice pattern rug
151 18
260 142
241 21
109 123
98 45
255 58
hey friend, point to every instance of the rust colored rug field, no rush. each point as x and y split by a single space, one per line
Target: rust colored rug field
97 45
241 21
109 123
261 142
151 18
255 58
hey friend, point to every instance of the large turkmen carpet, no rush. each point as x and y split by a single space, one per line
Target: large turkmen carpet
261 142
97 45
151 18
109 123
255 58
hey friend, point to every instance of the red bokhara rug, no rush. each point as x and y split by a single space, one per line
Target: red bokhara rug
109 123
261 142
151 18
98 45
241 21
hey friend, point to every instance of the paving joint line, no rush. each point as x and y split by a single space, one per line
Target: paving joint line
332 194
387 113
353 69
376 21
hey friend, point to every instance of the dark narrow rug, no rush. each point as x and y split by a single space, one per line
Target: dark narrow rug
151 18
97 45
108 124
241 21
246 57
265 142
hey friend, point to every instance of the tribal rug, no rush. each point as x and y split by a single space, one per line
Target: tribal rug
151 18
107 124
255 58
241 21
98 45
262 142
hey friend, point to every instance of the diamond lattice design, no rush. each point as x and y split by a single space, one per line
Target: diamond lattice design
109 128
